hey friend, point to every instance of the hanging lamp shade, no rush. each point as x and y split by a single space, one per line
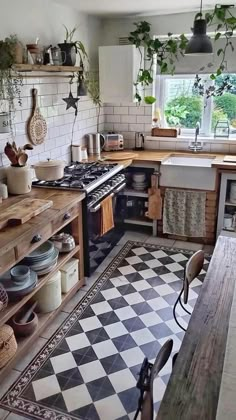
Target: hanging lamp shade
199 43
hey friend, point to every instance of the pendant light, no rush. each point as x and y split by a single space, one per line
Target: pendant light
199 43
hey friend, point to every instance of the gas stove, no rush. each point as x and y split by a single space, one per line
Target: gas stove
82 176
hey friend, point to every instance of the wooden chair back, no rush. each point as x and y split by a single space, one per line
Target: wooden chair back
192 269
161 359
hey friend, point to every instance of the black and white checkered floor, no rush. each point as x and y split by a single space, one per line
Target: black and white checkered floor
88 369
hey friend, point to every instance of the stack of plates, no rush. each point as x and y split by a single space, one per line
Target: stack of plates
139 181
16 290
43 259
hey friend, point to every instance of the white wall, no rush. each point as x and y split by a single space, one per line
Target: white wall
44 19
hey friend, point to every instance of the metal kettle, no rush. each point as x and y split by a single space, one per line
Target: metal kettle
139 141
95 144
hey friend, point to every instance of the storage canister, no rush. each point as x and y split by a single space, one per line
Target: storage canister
69 275
49 296
8 344
233 192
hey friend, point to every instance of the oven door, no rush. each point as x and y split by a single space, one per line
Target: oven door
100 246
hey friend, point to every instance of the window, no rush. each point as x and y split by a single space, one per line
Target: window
181 107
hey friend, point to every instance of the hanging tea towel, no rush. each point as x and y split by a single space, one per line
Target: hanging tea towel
184 213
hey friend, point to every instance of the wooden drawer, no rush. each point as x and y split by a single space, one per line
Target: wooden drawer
7 260
32 241
65 217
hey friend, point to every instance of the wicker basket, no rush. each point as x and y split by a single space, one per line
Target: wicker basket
8 344
3 298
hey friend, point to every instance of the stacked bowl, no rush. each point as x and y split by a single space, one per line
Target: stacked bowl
139 181
43 259
19 281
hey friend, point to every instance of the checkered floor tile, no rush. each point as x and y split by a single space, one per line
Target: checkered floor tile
89 368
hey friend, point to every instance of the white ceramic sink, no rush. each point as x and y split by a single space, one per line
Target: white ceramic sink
203 162
193 172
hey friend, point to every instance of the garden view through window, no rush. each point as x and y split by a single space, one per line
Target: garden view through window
182 107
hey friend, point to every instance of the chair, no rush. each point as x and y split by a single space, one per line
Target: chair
145 382
192 269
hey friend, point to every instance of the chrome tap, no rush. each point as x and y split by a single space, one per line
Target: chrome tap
196 145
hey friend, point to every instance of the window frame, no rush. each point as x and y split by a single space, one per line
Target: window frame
205 129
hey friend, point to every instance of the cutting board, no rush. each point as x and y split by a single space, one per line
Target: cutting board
23 211
37 126
120 156
154 200
229 159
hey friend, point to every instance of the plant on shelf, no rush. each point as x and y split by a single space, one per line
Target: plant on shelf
94 93
10 80
70 48
164 52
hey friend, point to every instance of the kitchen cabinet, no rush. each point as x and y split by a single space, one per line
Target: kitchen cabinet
225 206
17 242
118 69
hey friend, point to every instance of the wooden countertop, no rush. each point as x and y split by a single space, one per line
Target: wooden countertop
158 156
194 386
62 199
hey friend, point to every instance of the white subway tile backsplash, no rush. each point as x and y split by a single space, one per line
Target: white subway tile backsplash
220 148
136 127
136 110
128 119
144 119
114 118
108 110
121 127
232 148
108 126
121 110
148 110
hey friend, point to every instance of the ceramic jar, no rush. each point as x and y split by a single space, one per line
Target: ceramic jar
19 179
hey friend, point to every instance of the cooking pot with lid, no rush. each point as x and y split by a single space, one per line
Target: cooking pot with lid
49 170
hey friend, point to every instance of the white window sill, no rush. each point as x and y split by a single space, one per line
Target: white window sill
187 139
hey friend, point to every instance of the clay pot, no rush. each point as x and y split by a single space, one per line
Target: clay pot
23 330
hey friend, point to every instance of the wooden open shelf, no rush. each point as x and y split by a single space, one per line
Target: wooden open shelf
47 68
13 307
44 320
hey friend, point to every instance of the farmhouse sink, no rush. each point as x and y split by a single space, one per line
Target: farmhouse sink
193 172
203 162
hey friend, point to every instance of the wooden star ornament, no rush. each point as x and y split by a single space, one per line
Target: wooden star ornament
71 102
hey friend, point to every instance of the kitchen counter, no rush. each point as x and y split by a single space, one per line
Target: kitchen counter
158 156
200 380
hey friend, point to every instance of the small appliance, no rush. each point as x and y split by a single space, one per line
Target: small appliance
112 142
139 141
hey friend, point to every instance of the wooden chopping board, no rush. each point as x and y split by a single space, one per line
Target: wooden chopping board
154 200
23 211
229 159
37 126
120 155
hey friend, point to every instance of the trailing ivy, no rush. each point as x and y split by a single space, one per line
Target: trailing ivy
166 52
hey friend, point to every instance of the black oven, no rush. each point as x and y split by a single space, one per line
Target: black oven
97 247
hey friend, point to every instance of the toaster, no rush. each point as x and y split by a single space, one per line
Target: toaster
112 142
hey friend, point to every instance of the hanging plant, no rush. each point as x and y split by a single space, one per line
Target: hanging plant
225 22
10 80
165 52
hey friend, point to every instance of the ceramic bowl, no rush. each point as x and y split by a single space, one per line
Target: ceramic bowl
20 273
23 330
139 177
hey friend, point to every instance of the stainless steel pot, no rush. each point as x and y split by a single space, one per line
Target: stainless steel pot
49 170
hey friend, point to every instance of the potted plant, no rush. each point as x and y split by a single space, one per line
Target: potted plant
10 81
70 48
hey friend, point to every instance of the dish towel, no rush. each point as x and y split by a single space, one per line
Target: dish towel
107 220
184 213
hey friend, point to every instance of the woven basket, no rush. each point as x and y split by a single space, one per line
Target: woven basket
8 344
3 298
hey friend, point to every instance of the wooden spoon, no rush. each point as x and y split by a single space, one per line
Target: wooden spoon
22 159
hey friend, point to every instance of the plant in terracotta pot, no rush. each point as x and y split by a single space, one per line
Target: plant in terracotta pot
18 174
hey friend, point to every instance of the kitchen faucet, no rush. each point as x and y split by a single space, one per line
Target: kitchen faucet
196 145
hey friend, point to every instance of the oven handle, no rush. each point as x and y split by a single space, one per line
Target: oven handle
117 190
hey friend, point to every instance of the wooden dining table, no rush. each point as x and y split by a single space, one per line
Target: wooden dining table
202 385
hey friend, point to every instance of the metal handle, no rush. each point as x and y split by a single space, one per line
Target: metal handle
96 208
36 238
66 216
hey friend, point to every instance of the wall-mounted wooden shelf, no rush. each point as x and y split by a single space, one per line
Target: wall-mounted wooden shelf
50 69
